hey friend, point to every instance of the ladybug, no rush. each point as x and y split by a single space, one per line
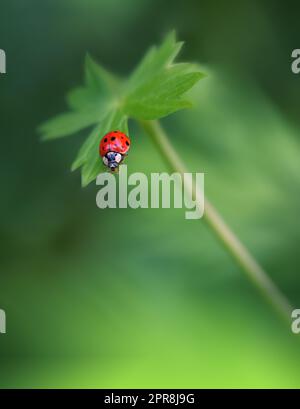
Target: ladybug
113 148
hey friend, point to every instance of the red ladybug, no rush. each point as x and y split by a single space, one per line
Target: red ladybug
113 148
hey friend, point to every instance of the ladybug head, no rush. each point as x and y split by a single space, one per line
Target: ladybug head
112 160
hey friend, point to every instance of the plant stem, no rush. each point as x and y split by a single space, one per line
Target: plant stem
230 241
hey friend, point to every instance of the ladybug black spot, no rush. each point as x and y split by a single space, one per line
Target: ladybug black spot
116 131
105 140
127 143
112 138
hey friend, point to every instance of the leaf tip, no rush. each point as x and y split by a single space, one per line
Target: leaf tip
42 131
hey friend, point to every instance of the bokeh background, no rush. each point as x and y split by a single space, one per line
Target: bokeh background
145 298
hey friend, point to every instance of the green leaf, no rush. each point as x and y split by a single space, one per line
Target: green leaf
83 98
150 111
90 143
89 103
68 123
96 77
155 60
156 88
100 88
162 95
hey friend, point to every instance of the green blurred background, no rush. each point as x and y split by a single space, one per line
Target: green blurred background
145 298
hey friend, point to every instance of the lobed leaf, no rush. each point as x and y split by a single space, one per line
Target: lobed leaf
156 88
